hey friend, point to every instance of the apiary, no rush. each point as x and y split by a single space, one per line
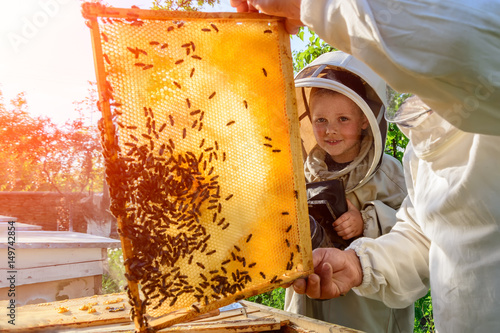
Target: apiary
109 313
203 157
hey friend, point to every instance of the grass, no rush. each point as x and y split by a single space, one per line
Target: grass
114 281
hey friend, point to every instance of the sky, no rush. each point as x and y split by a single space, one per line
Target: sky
46 52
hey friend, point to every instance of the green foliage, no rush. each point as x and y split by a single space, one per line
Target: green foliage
113 280
21 135
315 47
38 155
424 321
274 298
396 141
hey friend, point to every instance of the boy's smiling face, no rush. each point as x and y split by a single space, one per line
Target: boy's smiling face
337 124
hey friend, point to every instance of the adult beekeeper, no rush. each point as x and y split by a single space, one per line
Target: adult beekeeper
446 52
341 104
447 234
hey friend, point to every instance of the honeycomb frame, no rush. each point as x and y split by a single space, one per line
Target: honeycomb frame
186 121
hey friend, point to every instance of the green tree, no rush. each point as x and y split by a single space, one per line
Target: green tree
274 298
20 146
72 160
313 49
38 155
396 141
424 319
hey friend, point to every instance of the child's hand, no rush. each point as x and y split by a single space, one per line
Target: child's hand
350 224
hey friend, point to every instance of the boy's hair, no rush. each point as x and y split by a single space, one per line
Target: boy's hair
346 78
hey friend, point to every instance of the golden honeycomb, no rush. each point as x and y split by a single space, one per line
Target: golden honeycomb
203 156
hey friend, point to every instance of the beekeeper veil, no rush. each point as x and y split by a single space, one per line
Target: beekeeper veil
341 72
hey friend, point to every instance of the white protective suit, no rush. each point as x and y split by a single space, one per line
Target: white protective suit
449 231
374 183
447 52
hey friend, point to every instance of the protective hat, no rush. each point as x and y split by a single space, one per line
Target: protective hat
339 71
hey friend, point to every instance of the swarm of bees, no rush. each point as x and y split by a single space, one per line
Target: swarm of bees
187 244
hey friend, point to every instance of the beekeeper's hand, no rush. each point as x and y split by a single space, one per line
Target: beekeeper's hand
285 8
335 273
350 224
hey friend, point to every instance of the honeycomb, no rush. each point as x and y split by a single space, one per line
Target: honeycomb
203 157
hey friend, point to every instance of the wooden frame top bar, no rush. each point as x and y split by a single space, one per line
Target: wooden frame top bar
94 10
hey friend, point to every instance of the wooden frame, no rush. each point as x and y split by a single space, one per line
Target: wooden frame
92 12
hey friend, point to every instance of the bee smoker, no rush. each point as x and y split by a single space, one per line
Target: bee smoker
326 201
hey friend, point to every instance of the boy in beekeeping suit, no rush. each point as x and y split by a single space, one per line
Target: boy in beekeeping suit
341 106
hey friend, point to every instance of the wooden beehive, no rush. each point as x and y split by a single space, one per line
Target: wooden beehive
104 314
203 157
